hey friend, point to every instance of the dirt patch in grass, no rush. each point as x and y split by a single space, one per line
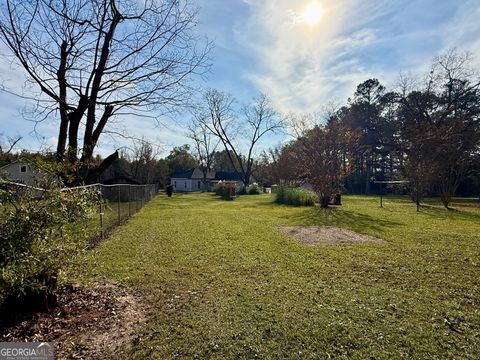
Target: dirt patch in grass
326 235
88 323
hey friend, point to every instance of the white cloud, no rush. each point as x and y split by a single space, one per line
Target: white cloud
303 67
463 30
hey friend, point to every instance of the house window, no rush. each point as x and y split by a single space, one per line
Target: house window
175 184
199 184
23 169
185 184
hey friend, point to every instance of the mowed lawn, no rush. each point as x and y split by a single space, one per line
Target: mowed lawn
223 283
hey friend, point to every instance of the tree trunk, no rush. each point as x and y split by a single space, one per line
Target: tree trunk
417 199
62 140
204 182
90 142
324 201
367 177
72 140
62 86
446 201
246 178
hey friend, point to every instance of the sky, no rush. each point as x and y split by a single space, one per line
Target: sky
303 54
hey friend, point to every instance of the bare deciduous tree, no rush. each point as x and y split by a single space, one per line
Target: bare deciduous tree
205 145
457 120
299 124
278 165
440 127
233 131
92 60
143 162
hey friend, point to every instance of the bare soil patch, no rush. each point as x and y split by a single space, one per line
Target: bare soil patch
88 323
326 235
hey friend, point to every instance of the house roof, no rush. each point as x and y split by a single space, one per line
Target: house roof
116 179
196 173
23 163
12 163
227 176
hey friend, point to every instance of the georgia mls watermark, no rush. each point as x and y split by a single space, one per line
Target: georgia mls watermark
26 351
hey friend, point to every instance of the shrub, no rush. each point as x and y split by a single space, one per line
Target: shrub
242 190
295 196
40 232
226 191
253 189
280 195
219 189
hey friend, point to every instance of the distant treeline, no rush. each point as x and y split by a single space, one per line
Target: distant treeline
142 164
425 131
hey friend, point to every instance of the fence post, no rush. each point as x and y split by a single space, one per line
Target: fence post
129 199
101 220
136 199
118 204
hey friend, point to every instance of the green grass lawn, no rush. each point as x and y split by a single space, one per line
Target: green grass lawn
224 284
110 218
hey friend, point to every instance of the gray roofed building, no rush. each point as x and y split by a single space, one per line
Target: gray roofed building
191 180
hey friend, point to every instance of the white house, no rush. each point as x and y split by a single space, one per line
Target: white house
192 180
22 173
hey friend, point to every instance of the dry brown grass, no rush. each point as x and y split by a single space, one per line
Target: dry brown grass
326 235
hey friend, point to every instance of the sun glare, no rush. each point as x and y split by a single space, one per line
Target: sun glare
312 13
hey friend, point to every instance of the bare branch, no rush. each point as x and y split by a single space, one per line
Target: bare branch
11 143
258 119
92 60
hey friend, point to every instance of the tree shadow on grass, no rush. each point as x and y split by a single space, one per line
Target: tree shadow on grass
355 221
439 212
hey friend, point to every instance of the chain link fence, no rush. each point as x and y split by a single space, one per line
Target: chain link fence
118 203
115 204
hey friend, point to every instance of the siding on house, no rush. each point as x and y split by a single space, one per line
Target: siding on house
22 173
192 180
187 185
